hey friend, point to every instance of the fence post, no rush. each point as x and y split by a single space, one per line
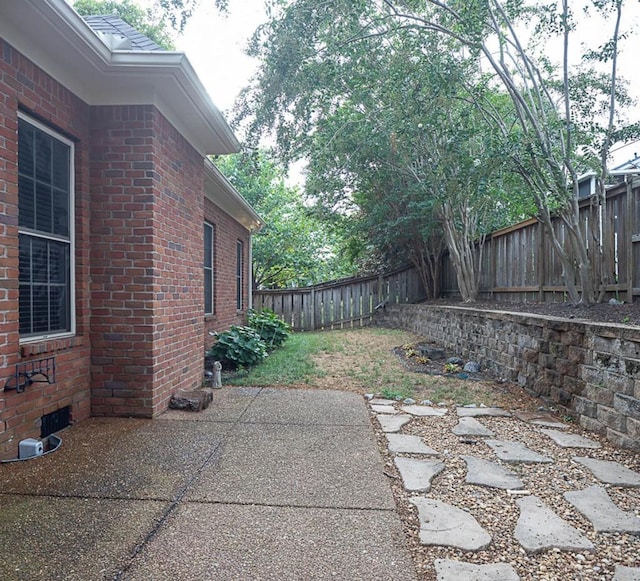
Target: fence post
312 315
629 226
542 262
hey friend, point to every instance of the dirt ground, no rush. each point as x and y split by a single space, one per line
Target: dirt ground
625 313
370 360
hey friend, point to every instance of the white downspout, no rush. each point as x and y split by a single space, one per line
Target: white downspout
250 271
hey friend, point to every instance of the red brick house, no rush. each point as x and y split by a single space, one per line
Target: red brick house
121 244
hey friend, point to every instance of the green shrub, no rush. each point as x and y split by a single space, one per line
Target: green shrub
238 347
273 330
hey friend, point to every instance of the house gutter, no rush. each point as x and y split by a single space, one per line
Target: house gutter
56 38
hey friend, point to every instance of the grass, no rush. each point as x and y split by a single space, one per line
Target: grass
292 364
359 360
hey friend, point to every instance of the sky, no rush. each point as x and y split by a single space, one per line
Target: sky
215 46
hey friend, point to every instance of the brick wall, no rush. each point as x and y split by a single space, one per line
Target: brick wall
226 233
588 370
139 211
147 248
24 86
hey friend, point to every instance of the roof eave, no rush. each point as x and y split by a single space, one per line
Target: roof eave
52 35
222 193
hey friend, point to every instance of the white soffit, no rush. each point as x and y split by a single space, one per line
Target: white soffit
52 35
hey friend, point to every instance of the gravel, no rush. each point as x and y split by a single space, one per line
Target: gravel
497 511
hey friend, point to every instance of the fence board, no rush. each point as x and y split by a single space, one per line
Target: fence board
519 263
522 258
340 304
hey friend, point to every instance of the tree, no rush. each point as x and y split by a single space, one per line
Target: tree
145 21
294 248
319 56
379 116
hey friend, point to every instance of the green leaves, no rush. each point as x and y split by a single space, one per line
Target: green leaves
271 328
295 248
239 347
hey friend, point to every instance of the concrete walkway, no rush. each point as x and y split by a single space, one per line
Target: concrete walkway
264 485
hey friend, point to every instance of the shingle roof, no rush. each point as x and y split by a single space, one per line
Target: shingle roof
112 24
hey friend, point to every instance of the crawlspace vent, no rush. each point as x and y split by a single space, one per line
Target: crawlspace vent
55 421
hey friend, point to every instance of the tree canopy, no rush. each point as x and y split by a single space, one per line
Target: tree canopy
294 248
435 118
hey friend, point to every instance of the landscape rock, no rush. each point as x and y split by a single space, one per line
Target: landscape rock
596 505
448 570
409 401
539 528
434 353
423 410
623 573
417 474
393 423
512 451
568 440
471 367
455 361
610 472
194 401
471 427
465 412
384 409
541 418
406 444
444 524
486 473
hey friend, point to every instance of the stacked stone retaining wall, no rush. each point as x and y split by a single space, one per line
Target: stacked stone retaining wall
588 370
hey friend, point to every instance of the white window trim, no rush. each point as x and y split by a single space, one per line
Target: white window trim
213 271
240 278
72 233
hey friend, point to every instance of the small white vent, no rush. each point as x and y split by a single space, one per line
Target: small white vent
115 41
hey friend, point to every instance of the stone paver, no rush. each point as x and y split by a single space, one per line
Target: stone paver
610 472
568 440
390 424
544 419
406 444
626 573
382 401
417 474
471 427
539 528
596 505
448 570
443 524
512 451
424 410
384 409
475 412
486 473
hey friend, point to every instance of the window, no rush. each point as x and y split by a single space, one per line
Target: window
239 271
45 226
209 241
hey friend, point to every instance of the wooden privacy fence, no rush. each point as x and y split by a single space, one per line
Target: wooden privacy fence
343 303
520 264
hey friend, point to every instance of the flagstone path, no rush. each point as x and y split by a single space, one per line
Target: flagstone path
539 527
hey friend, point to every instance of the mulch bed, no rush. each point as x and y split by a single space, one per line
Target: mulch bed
624 314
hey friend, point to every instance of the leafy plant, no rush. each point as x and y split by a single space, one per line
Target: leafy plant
238 347
452 368
272 330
